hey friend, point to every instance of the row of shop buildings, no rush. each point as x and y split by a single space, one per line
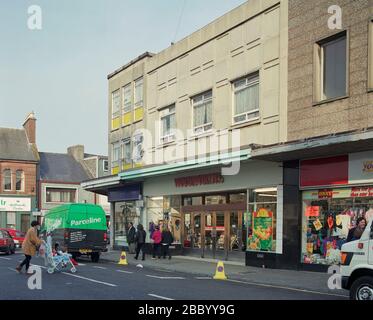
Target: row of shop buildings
251 139
34 182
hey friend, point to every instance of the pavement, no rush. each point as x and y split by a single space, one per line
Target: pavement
158 280
236 271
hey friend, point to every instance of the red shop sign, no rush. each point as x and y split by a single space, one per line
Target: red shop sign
203 179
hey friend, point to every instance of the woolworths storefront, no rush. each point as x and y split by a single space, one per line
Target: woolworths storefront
16 212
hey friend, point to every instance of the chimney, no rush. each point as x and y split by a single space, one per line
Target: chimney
30 127
77 152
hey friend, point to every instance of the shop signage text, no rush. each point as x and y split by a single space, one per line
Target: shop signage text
15 204
203 179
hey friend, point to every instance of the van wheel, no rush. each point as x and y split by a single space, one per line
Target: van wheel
95 257
362 289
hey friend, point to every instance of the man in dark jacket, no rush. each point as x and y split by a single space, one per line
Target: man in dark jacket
140 238
131 238
167 240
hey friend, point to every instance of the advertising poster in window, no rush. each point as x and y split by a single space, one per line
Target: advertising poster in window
262 230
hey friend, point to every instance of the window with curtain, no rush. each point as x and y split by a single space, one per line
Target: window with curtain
126 151
139 93
60 195
115 155
168 124
20 177
127 98
115 104
202 112
7 180
246 99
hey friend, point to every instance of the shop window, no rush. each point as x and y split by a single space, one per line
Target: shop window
331 67
237 197
246 99
11 220
215 199
125 212
262 220
192 201
7 180
328 215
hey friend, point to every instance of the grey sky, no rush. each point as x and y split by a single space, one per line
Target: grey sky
60 72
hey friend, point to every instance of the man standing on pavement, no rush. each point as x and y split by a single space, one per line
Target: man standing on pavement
131 238
140 238
167 240
30 245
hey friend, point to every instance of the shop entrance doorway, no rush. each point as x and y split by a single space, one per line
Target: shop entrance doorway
215 234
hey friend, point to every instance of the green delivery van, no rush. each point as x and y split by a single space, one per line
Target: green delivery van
78 228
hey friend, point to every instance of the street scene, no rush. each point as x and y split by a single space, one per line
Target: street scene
164 150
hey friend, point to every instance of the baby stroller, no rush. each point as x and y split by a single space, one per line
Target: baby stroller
58 262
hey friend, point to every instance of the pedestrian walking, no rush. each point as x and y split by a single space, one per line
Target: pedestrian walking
30 246
131 238
140 238
157 239
167 240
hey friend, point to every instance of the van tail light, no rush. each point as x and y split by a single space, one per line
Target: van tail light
105 236
343 257
360 245
66 235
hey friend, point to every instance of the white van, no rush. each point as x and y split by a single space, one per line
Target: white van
357 265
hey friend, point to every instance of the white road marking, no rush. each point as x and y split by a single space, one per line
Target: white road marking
81 264
123 271
5 258
97 267
91 280
203 278
164 278
13 269
288 288
159 297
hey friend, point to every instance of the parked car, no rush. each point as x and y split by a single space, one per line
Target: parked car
7 244
17 236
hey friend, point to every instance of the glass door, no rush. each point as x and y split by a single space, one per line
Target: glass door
197 239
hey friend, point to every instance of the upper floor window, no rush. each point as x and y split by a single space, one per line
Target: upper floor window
127 98
60 195
116 103
126 151
7 180
115 154
139 93
246 98
202 112
331 67
168 124
370 63
20 180
106 165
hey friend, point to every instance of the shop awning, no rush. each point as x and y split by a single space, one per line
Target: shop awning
216 160
331 145
101 185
